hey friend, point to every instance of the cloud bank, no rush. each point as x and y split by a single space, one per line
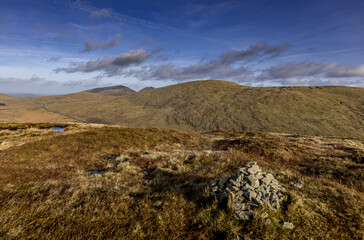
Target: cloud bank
229 65
222 67
112 66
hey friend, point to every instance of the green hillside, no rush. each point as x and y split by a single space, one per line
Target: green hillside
222 105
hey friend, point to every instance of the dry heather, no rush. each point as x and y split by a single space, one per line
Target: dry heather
130 183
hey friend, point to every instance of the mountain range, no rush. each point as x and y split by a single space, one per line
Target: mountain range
211 105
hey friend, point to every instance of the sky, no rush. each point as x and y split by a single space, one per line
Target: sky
64 46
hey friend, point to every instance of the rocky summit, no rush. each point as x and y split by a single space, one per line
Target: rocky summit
248 190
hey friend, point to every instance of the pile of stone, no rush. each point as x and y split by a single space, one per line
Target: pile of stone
248 190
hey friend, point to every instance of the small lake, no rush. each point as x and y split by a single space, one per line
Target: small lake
58 129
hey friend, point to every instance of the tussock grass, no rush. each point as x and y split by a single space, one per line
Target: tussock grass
150 190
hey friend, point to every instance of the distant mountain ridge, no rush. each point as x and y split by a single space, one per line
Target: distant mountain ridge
113 91
22 95
222 105
146 88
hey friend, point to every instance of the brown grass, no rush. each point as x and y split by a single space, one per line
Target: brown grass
21 110
149 190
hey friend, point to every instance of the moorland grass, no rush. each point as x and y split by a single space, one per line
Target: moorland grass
47 191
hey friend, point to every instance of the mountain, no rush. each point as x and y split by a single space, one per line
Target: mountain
23 95
222 105
112 91
146 88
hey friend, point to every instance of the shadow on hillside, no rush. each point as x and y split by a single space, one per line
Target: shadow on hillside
191 186
227 144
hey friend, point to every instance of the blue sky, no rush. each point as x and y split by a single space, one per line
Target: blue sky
56 47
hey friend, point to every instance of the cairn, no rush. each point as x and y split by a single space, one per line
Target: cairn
248 190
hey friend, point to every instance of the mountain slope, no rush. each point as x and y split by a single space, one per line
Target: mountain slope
221 105
24 110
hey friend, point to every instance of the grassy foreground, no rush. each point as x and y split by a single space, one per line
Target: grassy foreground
150 190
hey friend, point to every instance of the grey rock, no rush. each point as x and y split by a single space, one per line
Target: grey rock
254 169
240 179
247 186
259 175
250 178
259 196
298 185
287 225
239 206
240 193
249 195
234 183
241 238
231 193
223 180
244 171
239 199
273 197
251 163
276 186
255 184
258 201
267 179
253 205
244 215
213 182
